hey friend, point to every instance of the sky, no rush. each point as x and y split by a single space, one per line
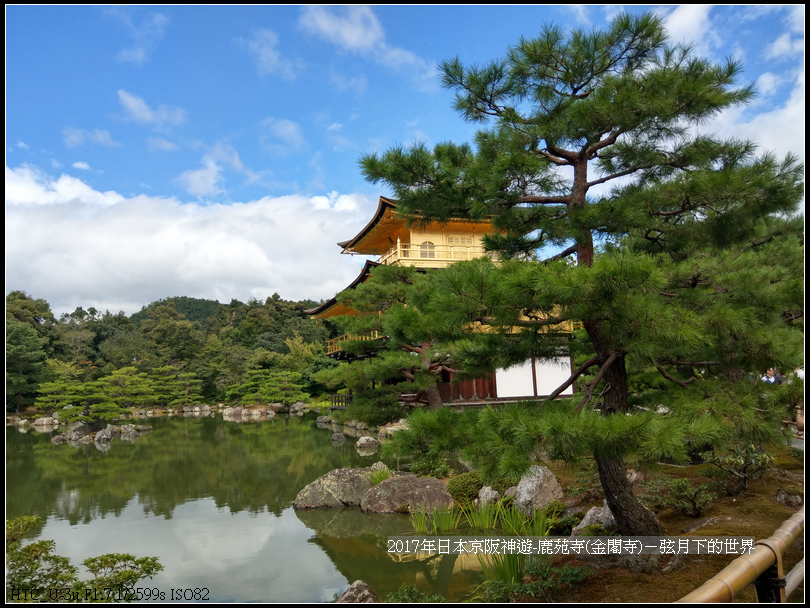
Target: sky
212 151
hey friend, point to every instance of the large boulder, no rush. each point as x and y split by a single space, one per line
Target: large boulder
537 488
406 494
338 488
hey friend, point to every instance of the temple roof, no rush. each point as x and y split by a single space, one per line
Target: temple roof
376 237
333 308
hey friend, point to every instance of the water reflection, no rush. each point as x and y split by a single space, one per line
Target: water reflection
212 500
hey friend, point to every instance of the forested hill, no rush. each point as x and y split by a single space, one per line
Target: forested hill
193 309
218 345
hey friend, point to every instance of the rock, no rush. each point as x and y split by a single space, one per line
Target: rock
129 432
406 494
46 421
537 488
635 477
129 435
366 443
338 488
359 593
601 516
105 434
487 495
322 420
338 437
271 413
299 407
791 501
379 466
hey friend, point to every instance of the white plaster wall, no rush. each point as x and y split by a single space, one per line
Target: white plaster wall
517 380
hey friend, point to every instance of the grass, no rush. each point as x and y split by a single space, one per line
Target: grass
445 519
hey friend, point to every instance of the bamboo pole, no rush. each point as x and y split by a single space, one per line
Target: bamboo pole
745 570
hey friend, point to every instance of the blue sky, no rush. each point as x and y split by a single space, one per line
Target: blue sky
212 151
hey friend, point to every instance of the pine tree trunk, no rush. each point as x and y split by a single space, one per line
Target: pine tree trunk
434 398
631 516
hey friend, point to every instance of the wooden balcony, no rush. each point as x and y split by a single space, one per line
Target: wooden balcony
335 346
430 256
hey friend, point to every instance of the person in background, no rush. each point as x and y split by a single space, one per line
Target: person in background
772 376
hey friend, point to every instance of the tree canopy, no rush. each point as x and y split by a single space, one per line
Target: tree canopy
678 252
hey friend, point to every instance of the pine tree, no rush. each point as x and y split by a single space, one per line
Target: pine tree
24 364
405 357
663 240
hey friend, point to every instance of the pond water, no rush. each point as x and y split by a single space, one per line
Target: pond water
212 500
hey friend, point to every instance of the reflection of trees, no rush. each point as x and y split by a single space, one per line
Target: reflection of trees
245 467
338 532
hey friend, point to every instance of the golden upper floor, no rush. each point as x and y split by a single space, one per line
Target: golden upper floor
434 245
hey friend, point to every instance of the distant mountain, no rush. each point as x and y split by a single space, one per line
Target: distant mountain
193 309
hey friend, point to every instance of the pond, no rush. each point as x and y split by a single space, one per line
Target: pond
212 500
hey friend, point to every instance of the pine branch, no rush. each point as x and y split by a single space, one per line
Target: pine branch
577 373
591 386
664 373
562 254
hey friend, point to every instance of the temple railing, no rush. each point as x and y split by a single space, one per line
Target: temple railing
429 256
336 345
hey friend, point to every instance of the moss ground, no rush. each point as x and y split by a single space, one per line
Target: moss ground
755 513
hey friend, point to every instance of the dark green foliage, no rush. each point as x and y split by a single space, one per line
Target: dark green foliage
548 583
25 359
262 386
375 408
653 494
565 524
464 488
196 310
688 499
412 595
680 254
431 466
737 466
36 569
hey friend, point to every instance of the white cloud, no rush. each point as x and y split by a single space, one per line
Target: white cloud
784 46
288 133
76 137
202 182
356 29
156 144
27 186
80 164
767 83
146 248
691 23
145 34
139 111
263 47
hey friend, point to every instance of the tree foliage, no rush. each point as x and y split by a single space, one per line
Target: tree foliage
35 573
678 252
